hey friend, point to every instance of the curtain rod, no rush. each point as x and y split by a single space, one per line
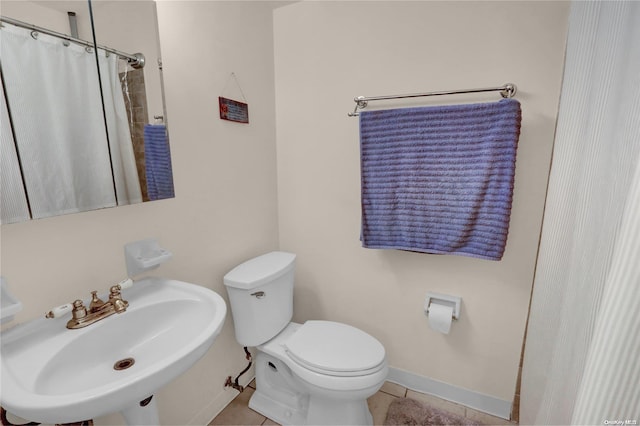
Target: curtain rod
136 60
507 91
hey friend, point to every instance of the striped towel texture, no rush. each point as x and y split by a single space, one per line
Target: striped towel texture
157 158
439 179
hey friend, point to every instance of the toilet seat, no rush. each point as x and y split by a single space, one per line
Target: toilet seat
335 349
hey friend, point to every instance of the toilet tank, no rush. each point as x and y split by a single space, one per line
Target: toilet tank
261 296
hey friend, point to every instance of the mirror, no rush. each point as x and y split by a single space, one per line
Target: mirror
77 136
132 27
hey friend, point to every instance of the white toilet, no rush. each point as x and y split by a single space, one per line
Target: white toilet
316 373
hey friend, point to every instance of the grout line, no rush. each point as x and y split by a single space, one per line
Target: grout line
388 393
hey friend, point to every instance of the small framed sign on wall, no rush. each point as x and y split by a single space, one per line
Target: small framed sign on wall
233 110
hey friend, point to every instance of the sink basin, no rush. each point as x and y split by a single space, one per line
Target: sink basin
51 374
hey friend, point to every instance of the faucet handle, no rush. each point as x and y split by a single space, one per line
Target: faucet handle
79 311
58 311
126 283
116 299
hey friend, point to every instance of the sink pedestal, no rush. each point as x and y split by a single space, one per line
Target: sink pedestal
137 414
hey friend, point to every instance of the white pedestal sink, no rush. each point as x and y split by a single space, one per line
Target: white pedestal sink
51 374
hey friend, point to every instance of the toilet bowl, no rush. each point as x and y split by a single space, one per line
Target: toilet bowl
328 386
319 372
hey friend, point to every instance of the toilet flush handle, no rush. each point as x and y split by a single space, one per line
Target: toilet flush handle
258 294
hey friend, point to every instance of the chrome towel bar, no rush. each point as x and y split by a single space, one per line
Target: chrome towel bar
507 91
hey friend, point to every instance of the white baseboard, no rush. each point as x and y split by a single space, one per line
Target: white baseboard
478 401
219 403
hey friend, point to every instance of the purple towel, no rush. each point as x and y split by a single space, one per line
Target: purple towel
439 179
157 158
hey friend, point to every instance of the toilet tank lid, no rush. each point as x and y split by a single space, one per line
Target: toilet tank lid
259 270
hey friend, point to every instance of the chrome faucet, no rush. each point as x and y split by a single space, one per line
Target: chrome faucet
98 309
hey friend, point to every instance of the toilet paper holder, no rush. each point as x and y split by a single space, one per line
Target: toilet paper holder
443 299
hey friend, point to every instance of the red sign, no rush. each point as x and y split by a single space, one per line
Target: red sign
233 110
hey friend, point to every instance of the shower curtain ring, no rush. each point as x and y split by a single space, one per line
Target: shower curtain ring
35 35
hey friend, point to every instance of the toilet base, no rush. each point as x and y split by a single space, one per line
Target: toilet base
283 398
351 413
276 411
332 412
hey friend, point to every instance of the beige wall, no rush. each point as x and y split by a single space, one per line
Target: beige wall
228 207
225 208
328 52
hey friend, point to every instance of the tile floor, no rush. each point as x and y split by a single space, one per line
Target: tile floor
239 413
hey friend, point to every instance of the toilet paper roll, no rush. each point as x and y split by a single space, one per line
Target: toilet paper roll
440 317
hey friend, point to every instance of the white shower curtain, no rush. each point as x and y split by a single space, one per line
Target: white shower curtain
54 98
13 207
582 351
123 157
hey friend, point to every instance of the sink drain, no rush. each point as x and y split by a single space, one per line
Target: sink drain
123 364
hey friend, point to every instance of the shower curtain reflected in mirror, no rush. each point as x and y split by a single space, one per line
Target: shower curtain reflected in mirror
13 207
54 102
123 158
